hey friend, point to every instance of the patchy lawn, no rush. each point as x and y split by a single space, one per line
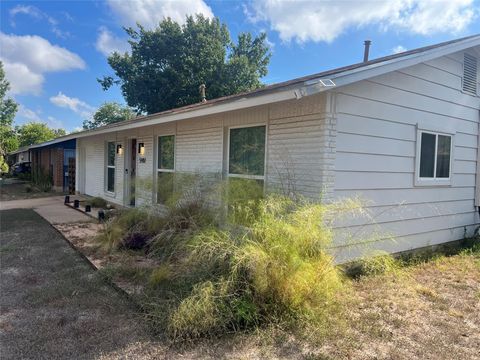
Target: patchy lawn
12 189
430 310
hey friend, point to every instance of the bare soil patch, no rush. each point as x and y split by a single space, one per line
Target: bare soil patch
21 190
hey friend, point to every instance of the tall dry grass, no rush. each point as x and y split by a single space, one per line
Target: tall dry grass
233 264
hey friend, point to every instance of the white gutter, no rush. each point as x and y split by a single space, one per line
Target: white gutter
307 88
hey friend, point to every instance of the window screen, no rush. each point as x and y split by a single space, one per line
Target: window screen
165 168
247 151
443 156
110 166
166 152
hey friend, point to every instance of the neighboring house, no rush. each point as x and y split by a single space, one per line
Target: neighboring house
21 155
400 131
56 160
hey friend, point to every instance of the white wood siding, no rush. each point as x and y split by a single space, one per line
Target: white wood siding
375 157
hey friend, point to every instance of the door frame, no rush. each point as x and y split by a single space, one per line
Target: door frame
81 169
127 171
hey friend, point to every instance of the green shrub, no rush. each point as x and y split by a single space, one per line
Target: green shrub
159 275
471 246
25 176
378 263
242 197
111 235
97 202
43 180
234 278
130 228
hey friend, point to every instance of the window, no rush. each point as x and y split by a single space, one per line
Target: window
165 167
246 156
469 83
111 166
434 158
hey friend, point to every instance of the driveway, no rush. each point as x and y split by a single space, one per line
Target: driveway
54 305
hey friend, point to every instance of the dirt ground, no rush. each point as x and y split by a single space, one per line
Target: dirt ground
12 189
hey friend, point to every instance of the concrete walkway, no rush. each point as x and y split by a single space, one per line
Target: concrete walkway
51 209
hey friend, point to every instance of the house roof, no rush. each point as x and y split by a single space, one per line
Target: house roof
288 89
19 150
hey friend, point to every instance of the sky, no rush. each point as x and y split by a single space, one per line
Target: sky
54 51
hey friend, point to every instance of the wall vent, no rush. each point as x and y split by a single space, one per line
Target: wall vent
469 84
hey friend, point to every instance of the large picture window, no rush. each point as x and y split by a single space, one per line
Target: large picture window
165 167
247 152
110 171
434 158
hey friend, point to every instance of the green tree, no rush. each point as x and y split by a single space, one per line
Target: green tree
8 109
109 113
168 64
34 133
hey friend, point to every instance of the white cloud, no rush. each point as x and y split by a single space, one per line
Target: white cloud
107 42
75 104
28 114
27 58
26 10
38 54
398 49
54 123
37 14
149 13
25 115
22 80
304 21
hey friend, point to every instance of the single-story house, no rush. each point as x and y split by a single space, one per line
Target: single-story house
20 155
55 159
401 131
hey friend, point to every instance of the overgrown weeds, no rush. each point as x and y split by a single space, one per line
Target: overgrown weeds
43 180
97 202
237 264
242 262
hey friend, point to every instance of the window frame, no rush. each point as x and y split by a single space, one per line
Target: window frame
107 166
433 181
244 176
164 170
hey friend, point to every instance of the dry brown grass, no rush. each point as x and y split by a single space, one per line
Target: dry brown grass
428 311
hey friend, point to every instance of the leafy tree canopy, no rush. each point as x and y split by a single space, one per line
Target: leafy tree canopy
34 133
168 64
8 109
109 113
